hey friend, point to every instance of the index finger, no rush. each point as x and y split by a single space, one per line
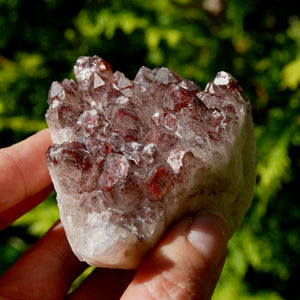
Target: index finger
23 170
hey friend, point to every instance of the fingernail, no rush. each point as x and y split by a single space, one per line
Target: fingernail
209 234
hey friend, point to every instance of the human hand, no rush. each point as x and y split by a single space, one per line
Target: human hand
186 264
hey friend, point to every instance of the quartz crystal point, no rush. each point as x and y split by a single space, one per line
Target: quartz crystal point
131 157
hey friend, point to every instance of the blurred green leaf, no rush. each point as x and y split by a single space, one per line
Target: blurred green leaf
291 75
21 123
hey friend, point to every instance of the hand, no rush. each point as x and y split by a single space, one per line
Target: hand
186 264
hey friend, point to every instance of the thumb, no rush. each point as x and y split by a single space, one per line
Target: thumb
186 264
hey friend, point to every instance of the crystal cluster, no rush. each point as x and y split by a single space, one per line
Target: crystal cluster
131 157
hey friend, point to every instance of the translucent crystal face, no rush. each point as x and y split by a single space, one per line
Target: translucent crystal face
126 151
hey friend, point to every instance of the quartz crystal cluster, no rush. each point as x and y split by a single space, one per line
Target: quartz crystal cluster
130 157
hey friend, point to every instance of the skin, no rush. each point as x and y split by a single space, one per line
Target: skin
186 264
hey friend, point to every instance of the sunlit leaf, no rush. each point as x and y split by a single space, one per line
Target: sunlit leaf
291 75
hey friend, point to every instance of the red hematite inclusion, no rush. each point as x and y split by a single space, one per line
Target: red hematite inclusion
129 157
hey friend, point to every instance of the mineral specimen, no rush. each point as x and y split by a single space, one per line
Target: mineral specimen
131 157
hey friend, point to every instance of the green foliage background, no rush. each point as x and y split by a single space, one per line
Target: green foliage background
257 41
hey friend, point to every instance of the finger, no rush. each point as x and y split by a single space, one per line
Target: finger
23 170
45 271
13 213
103 284
186 264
